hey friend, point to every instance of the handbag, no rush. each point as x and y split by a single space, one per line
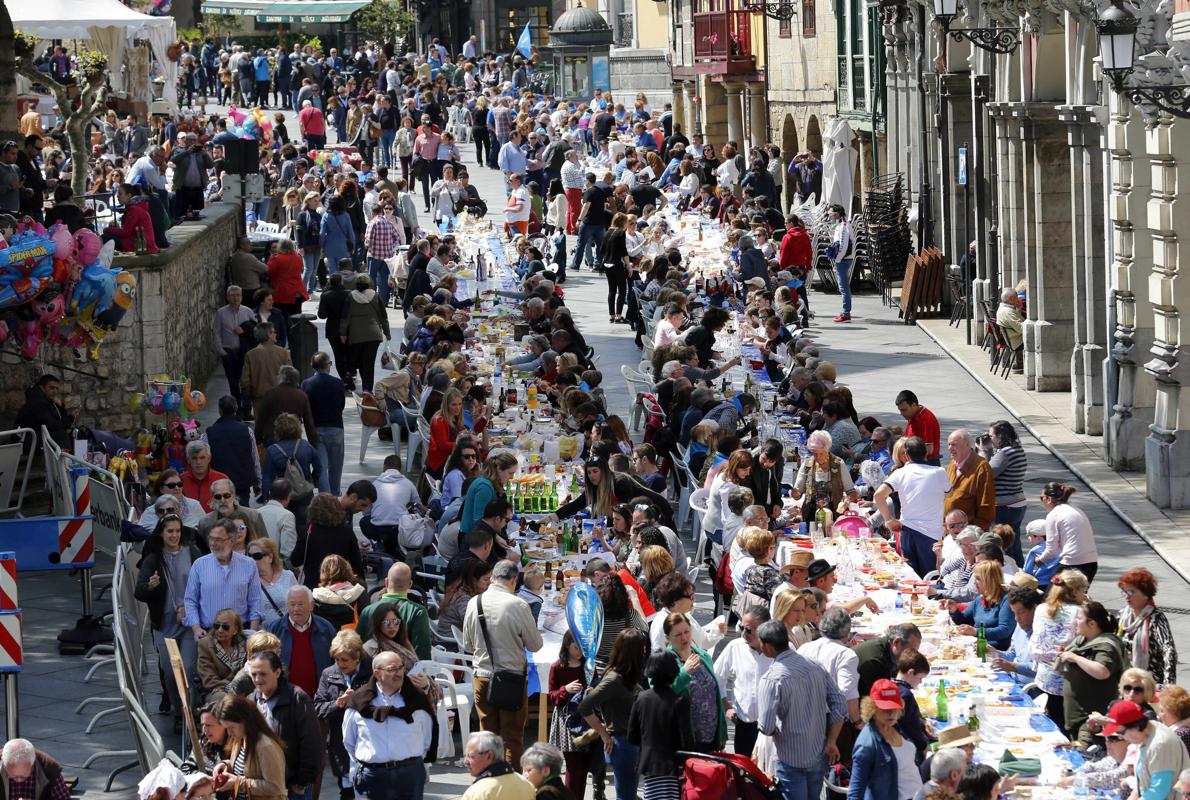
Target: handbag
506 689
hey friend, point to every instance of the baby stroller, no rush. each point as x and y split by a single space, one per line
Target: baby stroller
724 776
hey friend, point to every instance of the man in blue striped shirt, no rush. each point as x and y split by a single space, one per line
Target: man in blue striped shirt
803 710
222 579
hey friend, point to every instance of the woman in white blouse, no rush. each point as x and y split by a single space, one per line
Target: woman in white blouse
1069 537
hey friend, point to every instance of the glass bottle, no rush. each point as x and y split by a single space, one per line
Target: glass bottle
943 714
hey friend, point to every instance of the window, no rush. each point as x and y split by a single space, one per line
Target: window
785 29
512 21
809 21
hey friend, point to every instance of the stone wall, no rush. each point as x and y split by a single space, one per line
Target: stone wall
168 329
644 70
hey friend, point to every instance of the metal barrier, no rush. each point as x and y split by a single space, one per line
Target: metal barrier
16 446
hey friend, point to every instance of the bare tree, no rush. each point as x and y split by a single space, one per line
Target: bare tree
92 91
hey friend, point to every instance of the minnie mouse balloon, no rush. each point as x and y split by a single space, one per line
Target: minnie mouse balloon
584 614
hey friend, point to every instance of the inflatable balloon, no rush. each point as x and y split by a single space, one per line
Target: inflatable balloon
136 402
26 266
171 402
236 115
157 403
88 245
194 401
584 614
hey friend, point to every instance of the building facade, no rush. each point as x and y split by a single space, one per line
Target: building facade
1069 193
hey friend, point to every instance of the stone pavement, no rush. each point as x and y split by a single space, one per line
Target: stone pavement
876 355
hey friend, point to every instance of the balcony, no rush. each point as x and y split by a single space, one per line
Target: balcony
723 42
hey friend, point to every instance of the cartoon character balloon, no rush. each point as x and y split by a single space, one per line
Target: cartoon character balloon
584 614
26 265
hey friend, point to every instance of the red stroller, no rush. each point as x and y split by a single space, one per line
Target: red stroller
724 776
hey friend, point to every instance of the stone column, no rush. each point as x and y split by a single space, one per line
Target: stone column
1167 447
679 109
689 120
735 113
1124 437
1086 186
758 127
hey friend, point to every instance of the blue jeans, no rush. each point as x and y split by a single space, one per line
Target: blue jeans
330 450
310 275
386 148
378 270
306 795
398 414
801 784
1014 517
843 270
918 550
590 237
624 761
406 782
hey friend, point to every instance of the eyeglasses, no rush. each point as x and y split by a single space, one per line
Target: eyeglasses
217 540
389 669
226 496
1127 592
221 626
174 485
257 556
956 525
1129 689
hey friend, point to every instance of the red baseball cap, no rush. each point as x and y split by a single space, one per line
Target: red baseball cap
1123 712
886 695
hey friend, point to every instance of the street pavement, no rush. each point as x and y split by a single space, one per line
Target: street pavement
876 355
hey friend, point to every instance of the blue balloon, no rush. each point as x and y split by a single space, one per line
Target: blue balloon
584 614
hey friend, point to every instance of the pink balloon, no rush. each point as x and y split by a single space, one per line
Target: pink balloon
64 245
88 244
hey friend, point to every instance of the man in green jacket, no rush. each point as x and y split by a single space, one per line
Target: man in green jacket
878 657
413 614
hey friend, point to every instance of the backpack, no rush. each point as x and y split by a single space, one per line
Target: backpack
303 490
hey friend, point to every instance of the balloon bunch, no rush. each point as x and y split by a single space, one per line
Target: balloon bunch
58 287
323 158
251 125
168 396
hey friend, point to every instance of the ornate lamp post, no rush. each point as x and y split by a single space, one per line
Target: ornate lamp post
1117 53
994 40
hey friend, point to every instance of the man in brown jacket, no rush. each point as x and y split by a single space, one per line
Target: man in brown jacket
262 366
973 485
286 397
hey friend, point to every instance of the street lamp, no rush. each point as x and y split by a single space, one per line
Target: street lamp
994 40
1117 55
781 10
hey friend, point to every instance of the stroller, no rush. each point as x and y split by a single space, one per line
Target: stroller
724 776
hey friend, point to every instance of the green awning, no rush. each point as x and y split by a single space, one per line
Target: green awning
302 11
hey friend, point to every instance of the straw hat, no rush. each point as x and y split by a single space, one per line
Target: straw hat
956 736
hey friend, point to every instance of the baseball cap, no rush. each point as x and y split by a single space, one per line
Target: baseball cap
756 283
886 695
1122 714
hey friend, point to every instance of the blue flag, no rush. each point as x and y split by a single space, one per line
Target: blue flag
524 43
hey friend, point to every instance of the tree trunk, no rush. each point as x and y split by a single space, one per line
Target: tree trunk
92 95
8 81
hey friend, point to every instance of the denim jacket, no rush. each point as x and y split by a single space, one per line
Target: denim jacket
873 767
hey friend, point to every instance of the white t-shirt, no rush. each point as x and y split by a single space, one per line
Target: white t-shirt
922 490
521 194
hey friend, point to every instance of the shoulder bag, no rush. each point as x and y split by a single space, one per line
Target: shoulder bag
506 689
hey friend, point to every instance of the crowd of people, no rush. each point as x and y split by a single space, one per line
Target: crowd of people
299 662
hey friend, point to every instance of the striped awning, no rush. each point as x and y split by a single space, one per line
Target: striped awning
301 11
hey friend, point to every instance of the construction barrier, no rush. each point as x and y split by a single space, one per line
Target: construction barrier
16 448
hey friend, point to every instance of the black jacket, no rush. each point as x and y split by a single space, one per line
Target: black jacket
40 410
766 484
297 725
331 684
331 305
152 562
660 725
419 282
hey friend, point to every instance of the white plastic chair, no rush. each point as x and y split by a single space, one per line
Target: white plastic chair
688 481
698 507
636 383
414 442
418 443
457 697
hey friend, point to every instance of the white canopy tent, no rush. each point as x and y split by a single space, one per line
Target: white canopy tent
109 25
838 164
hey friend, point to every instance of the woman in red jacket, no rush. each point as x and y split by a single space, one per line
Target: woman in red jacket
136 217
285 276
445 427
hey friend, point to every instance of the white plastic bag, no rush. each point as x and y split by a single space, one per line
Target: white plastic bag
415 532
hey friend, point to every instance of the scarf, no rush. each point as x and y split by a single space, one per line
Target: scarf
1138 629
235 659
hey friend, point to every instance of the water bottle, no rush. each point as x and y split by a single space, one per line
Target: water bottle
900 604
1081 787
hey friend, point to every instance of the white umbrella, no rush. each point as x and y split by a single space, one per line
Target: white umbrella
838 163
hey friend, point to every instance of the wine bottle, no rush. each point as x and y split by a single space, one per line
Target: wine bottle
943 714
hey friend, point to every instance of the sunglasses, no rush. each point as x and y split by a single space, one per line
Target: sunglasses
1129 689
470 455
257 556
221 626
173 485
391 623
241 528
747 629
226 496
